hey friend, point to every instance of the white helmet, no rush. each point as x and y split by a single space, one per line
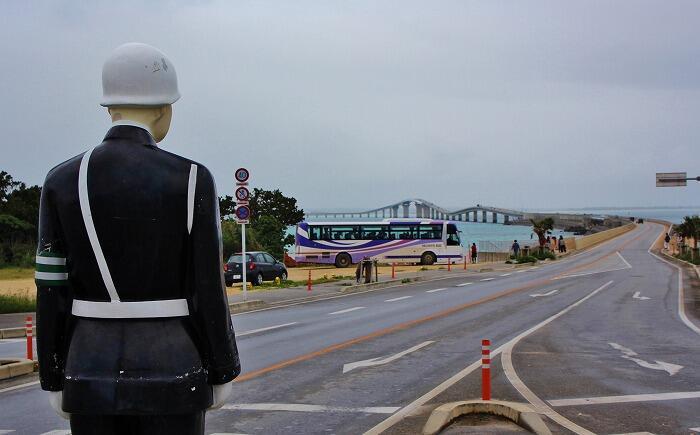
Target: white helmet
138 75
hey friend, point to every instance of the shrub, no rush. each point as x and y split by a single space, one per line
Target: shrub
527 259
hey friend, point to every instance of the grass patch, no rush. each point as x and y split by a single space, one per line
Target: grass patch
289 283
16 304
16 273
406 280
690 258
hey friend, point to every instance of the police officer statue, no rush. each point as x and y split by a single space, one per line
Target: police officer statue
134 331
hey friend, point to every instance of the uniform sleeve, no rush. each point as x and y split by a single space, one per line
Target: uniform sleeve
53 300
209 301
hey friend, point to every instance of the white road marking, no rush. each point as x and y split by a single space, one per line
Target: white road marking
625 399
463 284
634 433
57 432
269 328
425 398
347 310
383 360
13 340
629 266
537 295
436 290
398 299
487 279
695 429
299 407
227 433
5 431
641 298
507 274
521 271
533 268
631 355
589 273
17 387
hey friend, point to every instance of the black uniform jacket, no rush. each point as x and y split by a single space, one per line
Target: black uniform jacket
138 199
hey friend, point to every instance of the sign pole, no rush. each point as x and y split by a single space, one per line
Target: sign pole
244 264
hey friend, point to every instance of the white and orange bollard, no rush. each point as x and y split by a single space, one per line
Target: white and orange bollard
449 264
485 369
30 334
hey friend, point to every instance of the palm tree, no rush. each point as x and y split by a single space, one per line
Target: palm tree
690 228
541 227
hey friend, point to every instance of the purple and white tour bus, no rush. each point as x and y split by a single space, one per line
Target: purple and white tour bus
391 240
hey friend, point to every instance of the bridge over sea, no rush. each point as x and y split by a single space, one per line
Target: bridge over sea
420 208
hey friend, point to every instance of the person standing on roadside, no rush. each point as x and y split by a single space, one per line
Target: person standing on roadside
562 245
515 248
474 253
667 239
554 243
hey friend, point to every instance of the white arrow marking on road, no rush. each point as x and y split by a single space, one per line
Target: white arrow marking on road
463 284
641 298
398 299
436 290
537 295
269 328
383 360
346 310
629 354
300 407
487 279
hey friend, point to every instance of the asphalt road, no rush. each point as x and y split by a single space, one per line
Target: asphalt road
566 336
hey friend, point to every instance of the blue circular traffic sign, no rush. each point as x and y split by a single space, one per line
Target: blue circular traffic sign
242 175
243 212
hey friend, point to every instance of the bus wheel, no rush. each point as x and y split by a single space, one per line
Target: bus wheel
343 260
428 258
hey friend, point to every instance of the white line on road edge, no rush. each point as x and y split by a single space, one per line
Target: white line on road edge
13 340
631 355
629 266
269 328
347 310
625 399
398 299
422 400
487 279
509 370
17 387
57 432
436 290
463 284
299 407
385 360
641 298
538 295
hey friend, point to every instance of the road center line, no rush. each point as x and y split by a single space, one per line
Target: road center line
625 399
507 274
463 284
299 407
269 328
422 400
487 279
629 266
346 310
398 299
436 290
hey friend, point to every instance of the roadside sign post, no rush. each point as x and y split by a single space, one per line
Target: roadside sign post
242 216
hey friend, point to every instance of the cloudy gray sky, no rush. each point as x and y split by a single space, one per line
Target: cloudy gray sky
519 104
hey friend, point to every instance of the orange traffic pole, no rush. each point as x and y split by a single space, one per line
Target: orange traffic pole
393 272
485 369
30 334
465 262
308 282
449 264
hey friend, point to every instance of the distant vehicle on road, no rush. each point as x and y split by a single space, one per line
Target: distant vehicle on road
423 241
261 267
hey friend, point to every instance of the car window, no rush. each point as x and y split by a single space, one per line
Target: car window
260 258
269 258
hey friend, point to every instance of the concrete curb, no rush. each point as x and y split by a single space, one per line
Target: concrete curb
14 332
12 367
237 307
519 413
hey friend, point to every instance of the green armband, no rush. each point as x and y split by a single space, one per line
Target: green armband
51 269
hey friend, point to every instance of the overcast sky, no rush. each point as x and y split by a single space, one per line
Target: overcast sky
519 104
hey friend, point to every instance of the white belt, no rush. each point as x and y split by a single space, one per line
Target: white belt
130 310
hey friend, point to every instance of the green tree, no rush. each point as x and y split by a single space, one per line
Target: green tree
227 206
269 232
273 203
690 228
231 238
541 227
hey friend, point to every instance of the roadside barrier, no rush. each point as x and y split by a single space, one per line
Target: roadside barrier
30 334
485 369
308 282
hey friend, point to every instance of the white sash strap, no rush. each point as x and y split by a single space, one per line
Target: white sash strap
90 226
130 310
191 186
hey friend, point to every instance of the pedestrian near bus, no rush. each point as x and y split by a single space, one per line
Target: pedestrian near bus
562 245
667 239
555 245
515 248
474 253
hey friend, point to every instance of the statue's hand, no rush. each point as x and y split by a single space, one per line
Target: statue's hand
56 401
220 394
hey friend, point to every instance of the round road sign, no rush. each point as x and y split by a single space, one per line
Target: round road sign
242 175
243 212
242 194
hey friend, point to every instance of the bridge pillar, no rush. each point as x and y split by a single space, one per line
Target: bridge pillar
505 219
405 210
395 211
494 218
483 216
474 216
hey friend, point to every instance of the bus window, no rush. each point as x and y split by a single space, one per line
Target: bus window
452 235
374 232
431 232
405 232
343 232
315 233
